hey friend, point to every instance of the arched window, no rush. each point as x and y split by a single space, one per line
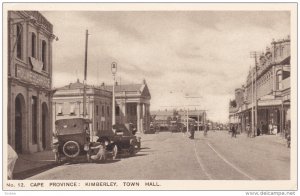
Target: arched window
44 54
278 80
33 45
19 41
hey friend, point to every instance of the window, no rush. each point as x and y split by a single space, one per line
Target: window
117 111
278 80
34 119
107 110
33 45
19 41
44 54
97 110
59 110
72 108
103 110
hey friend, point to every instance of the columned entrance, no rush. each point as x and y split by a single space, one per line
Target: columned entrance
19 123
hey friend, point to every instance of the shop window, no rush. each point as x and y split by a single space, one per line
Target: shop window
19 41
33 45
44 54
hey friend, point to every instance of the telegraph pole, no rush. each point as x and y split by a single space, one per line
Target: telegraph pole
254 55
85 74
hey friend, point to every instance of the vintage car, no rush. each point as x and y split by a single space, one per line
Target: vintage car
72 138
121 138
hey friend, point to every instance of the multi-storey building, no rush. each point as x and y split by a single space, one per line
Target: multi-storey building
68 103
269 84
29 110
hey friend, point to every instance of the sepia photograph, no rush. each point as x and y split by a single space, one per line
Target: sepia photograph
150 96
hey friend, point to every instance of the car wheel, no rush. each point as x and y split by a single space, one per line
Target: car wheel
115 152
71 149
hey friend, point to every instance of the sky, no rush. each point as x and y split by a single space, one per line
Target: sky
180 54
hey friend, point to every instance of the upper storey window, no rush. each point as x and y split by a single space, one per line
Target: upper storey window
44 54
33 45
19 41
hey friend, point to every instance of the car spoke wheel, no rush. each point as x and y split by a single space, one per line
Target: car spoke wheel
71 149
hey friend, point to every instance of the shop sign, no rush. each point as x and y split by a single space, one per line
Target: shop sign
32 77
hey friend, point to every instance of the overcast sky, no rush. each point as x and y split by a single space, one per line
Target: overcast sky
199 53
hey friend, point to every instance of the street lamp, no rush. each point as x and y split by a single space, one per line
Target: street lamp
113 71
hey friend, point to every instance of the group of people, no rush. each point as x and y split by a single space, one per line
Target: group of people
192 131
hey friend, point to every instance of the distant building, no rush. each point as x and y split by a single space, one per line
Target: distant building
132 104
68 103
29 109
163 117
273 91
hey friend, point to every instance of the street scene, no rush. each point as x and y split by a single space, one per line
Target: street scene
149 95
173 156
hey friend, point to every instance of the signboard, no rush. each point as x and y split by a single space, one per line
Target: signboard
32 77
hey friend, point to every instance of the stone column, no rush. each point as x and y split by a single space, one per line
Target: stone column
138 116
123 109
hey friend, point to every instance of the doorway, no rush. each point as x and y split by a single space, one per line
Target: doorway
19 121
44 125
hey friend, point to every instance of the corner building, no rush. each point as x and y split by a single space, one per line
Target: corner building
29 109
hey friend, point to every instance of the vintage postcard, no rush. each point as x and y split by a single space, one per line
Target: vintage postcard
150 96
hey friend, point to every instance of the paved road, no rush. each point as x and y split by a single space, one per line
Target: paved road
172 156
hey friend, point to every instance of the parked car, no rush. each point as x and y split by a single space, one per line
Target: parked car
121 138
72 138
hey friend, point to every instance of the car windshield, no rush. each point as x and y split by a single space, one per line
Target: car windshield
72 126
121 128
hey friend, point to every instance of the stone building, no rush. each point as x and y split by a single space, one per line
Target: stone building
29 110
270 87
68 103
132 104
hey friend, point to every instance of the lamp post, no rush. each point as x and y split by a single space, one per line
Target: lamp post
113 71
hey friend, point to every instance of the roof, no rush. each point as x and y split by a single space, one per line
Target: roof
125 87
162 113
76 85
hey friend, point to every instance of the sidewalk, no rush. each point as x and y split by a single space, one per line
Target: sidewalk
28 164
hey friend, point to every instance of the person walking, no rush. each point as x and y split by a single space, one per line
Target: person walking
192 131
233 131
248 130
205 130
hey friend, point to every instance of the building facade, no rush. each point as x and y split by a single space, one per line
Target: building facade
132 104
29 113
68 103
267 87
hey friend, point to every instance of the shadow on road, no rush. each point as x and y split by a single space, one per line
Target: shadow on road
33 172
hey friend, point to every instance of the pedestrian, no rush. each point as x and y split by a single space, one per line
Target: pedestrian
248 130
270 129
205 129
192 131
233 131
